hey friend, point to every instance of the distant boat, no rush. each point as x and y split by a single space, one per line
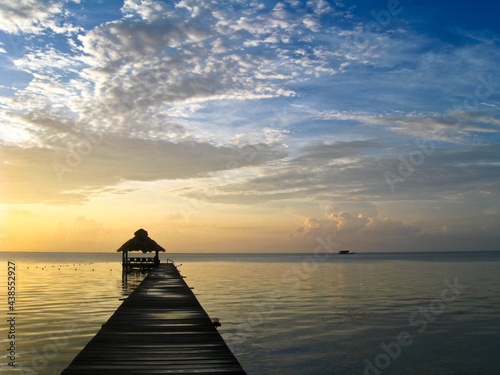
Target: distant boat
345 252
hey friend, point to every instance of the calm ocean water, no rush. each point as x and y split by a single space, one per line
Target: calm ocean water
405 313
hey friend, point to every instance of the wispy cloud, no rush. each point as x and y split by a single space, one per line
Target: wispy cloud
354 171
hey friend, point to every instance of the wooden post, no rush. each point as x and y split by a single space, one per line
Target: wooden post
124 268
157 259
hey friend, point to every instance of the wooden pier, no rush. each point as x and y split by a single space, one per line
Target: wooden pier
161 328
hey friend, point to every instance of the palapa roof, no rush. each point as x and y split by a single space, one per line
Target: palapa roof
141 242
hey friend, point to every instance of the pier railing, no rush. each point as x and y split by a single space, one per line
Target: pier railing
140 262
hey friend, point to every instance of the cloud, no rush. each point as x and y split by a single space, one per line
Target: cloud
156 57
161 57
130 65
48 61
148 10
81 234
319 152
72 164
345 223
357 172
266 135
455 127
34 16
83 229
320 6
18 212
362 233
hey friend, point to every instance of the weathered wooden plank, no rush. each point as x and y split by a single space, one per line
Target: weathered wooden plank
161 328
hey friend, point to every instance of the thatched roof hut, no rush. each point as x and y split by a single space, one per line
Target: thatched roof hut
141 242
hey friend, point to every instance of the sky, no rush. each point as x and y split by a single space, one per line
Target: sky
250 126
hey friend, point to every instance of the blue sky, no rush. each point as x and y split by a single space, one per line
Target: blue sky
375 123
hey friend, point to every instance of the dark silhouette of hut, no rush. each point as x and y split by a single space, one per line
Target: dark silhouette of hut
140 242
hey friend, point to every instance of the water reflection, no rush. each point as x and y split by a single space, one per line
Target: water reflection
131 280
60 307
278 317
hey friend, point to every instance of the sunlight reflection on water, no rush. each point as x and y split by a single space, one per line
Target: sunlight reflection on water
278 316
60 307
329 320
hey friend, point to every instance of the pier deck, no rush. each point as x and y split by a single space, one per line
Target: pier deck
161 328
